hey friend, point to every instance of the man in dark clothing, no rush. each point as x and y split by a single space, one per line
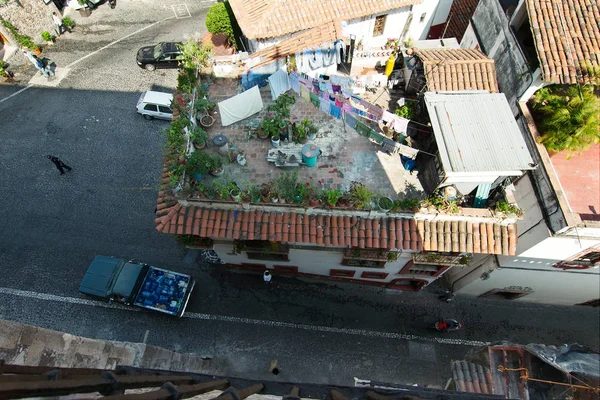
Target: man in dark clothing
59 164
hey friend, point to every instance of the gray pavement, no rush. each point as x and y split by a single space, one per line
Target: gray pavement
53 226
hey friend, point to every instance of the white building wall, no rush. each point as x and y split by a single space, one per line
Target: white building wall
423 16
550 287
362 28
320 262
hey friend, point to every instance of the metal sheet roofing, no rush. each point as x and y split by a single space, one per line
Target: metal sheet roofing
476 132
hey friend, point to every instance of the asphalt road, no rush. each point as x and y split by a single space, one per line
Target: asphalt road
53 226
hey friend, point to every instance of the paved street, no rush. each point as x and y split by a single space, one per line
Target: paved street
53 226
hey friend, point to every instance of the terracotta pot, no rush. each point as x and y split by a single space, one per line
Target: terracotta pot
199 147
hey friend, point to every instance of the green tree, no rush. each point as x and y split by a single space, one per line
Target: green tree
218 21
568 117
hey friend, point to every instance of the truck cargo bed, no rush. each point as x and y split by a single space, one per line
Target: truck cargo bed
165 291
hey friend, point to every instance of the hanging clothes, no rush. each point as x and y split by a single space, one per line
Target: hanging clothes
279 83
304 93
322 86
340 51
346 107
314 99
362 129
241 106
316 58
350 120
324 105
294 83
336 88
330 88
299 61
328 53
335 111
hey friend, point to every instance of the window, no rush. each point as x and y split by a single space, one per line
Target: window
346 273
374 275
150 107
286 269
407 284
165 110
590 258
263 250
366 258
422 19
379 25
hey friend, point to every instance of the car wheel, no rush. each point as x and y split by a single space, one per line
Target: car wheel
148 117
150 67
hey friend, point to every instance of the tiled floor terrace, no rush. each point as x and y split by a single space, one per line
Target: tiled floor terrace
346 157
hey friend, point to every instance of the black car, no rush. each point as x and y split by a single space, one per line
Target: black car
162 55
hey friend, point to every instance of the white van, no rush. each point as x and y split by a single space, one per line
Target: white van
155 105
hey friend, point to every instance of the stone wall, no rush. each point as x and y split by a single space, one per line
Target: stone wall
30 17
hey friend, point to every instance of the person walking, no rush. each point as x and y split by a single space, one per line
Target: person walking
60 26
59 164
39 64
267 277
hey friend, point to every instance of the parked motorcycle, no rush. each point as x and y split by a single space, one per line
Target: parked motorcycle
448 325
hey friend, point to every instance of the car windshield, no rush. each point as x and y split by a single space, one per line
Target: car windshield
158 51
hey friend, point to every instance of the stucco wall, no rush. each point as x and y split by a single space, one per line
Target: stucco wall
551 287
31 17
320 262
362 28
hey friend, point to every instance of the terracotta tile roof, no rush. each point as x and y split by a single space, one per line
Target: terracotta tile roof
458 69
306 39
566 34
260 19
460 16
472 378
336 230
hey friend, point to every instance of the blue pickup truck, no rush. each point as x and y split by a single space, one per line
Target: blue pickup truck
135 283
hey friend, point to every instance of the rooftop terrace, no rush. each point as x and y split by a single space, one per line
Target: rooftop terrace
347 156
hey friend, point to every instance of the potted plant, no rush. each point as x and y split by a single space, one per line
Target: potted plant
309 129
235 192
283 126
246 198
68 23
197 164
262 133
275 139
385 204
274 195
215 165
265 192
332 196
359 196
47 36
4 73
198 137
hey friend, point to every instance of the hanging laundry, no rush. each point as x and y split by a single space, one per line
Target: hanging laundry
314 99
316 58
324 105
350 120
279 83
324 95
241 106
362 129
336 88
338 103
346 107
335 111
340 51
315 86
329 88
299 60
323 86
304 93
294 83
328 53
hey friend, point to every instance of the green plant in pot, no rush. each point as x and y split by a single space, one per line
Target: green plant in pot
235 192
286 185
332 196
215 164
359 196
275 139
198 137
197 164
68 22
385 203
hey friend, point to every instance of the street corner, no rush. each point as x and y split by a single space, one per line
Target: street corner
59 74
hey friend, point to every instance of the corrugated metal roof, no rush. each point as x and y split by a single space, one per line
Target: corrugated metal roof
476 132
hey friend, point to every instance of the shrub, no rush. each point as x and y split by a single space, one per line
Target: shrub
218 21
68 22
195 55
286 185
359 195
197 163
408 110
47 36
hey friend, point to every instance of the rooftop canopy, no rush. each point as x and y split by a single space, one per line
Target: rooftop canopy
476 132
